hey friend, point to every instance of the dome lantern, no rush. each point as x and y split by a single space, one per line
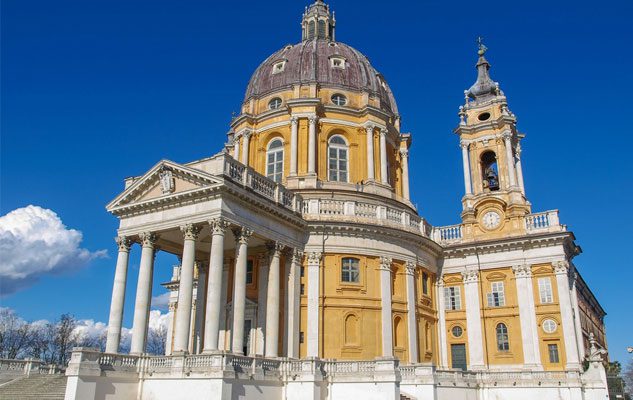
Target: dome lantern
317 22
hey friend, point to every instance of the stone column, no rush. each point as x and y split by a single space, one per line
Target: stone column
214 299
466 164
239 288
574 302
224 330
294 127
245 144
507 137
384 177
314 284
473 319
441 305
369 130
201 290
561 269
312 145
272 302
527 317
404 156
143 293
411 311
293 297
262 293
236 148
118 295
385 302
185 289
519 169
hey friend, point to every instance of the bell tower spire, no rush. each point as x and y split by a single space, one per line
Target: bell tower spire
494 198
318 22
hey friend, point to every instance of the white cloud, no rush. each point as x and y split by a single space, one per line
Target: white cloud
161 301
34 242
158 320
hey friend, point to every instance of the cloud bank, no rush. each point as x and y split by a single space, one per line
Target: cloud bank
34 242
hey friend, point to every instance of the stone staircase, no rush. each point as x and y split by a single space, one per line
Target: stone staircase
34 387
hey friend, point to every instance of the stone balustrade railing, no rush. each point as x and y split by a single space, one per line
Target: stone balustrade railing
356 211
27 367
258 183
546 221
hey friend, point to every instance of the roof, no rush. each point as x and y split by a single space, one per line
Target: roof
309 62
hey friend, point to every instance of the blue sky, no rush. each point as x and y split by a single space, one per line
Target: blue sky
94 91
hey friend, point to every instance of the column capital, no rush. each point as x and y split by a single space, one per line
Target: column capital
561 267
190 231
506 135
383 131
410 268
314 258
522 271
313 119
464 144
470 276
297 255
148 239
275 248
369 127
385 263
439 282
242 234
404 153
218 226
294 120
124 243
246 132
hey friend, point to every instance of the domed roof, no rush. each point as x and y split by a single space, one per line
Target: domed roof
309 62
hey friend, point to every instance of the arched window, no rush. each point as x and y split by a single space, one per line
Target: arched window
337 159
350 270
321 31
489 171
503 341
311 29
352 331
275 160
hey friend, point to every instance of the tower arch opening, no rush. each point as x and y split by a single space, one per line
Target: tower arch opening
489 171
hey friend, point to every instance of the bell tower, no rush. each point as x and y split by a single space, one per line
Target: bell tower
494 203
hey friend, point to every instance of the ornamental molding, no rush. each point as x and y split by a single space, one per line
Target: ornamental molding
314 258
124 243
561 267
275 248
190 231
242 234
409 267
148 239
297 256
404 153
218 226
522 271
470 276
385 263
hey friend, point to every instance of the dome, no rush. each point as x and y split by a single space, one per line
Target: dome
310 62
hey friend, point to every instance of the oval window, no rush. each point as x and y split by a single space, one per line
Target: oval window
339 99
457 331
274 103
484 116
549 326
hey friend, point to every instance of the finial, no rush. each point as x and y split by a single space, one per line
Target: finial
481 46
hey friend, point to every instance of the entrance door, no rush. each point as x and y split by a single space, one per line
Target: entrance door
247 336
458 356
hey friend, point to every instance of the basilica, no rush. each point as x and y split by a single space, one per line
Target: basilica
307 272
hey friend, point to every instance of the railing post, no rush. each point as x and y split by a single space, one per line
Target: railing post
553 218
277 193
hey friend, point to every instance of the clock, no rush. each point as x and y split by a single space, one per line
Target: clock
491 220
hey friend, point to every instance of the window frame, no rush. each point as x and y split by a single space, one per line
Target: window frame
452 301
338 102
550 347
496 297
276 175
250 272
545 290
502 337
425 283
277 101
350 269
279 67
338 148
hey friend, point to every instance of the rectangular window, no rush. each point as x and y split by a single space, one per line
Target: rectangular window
302 289
249 272
303 271
496 298
545 290
300 337
350 270
425 283
552 349
452 298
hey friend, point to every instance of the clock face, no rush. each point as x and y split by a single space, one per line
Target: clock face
491 220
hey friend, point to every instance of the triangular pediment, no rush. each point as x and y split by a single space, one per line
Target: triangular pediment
165 179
